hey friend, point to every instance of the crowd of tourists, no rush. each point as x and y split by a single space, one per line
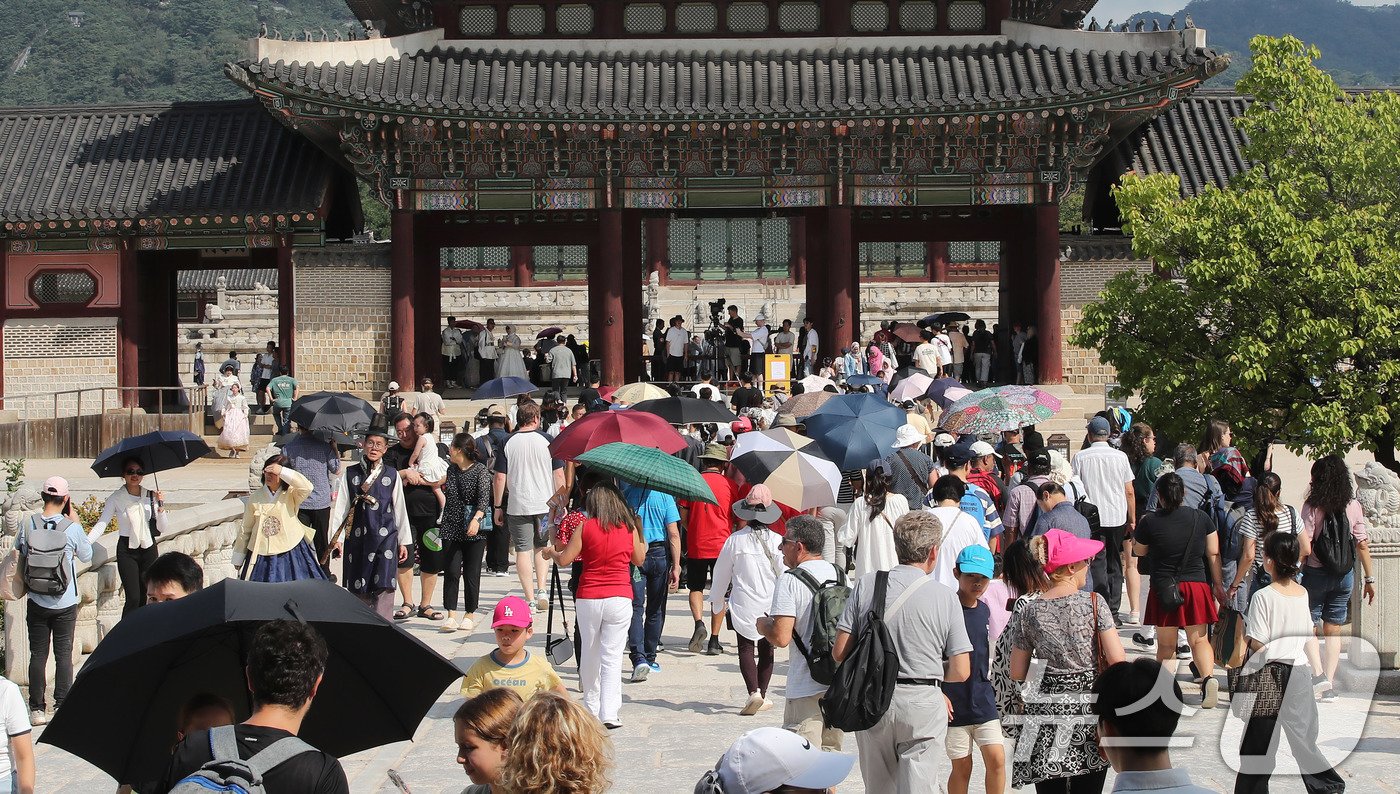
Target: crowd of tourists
990 574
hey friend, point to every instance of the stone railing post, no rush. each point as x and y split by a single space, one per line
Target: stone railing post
1378 491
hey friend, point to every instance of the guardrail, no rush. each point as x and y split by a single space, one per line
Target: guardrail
79 423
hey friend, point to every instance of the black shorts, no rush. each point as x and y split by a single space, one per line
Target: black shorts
698 573
675 363
429 561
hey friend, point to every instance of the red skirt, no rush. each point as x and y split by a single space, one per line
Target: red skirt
1198 609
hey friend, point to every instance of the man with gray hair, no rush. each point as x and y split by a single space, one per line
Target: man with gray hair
790 619
1108 483
904 752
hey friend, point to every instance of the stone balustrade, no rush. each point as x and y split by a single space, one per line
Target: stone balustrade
205 532
1378 491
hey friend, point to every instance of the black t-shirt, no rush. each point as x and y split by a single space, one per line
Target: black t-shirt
587 395
743 398
733 327
1166 534
313 772
982 341
419 501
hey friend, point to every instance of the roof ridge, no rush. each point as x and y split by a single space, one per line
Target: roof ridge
95 109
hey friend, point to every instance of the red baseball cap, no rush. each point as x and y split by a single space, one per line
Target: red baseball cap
512 611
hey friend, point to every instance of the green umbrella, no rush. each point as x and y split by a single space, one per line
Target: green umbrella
649 468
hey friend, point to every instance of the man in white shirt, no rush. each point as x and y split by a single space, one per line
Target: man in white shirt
960 529
944 345
486 350
758 348
677 349
810 346
926 354
1108 483
785 341
790 618
707 382
453 369
527 472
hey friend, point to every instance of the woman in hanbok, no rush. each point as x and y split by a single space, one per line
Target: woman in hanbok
223 383
273 545
512 361
234 436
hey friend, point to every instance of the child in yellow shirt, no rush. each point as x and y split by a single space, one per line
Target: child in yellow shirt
511 665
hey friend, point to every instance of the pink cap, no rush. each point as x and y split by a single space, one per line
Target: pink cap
56 486
512 611
741 425
1062 549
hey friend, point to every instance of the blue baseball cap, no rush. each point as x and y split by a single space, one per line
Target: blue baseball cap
977 559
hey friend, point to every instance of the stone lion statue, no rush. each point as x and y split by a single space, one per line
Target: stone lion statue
255 466
20 504
1378 491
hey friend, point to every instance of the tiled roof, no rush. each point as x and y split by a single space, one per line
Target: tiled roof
759 83
237 278
138 161
1195 139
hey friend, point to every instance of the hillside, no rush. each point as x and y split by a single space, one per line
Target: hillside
1357 42
138 50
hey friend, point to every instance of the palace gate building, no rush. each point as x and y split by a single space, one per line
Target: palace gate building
589 151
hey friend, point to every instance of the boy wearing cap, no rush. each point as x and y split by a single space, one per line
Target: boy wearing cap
53 615
972 704
975 501
511 665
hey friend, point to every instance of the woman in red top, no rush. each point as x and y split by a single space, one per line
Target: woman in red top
606 544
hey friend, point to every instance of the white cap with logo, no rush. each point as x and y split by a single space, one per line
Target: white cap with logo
768 758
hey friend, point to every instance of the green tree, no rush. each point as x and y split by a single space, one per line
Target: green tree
1277 302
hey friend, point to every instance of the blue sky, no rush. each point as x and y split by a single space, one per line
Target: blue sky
1122 9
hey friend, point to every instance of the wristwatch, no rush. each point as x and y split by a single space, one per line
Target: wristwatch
1369 580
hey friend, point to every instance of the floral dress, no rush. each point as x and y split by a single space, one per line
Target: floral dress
1062 633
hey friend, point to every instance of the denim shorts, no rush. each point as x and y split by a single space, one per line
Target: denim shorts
1329 596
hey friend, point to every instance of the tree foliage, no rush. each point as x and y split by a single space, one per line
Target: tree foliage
1277 304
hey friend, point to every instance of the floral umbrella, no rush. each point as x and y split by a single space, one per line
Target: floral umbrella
1000 408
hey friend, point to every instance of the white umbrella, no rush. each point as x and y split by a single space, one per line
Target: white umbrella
911 387
790 465
813 383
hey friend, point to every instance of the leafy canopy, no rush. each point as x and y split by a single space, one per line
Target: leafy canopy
1277 302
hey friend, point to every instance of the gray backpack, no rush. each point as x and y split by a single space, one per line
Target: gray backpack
47 561
228 772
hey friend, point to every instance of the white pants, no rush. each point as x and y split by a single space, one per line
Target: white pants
602 628
904 752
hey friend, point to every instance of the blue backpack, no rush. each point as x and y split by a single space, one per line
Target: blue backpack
229 773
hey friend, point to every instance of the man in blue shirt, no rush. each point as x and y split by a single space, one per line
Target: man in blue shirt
659 573
56 615
976 502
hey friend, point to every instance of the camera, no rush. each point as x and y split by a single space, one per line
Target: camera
717 311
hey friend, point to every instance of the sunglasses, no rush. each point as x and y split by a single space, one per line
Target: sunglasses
134 472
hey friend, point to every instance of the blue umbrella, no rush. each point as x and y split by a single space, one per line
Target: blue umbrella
938 388
861 379
854 429
158 451
504 387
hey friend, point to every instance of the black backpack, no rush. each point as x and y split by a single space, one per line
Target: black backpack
828 602
1334 546
864 683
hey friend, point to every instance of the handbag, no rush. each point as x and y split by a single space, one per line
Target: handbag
1165 587
1267 685
12 587
559 649
1228 639
1099 665
151 522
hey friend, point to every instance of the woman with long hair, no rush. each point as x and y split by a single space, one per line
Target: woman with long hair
481 726
1267 515
1018 577
870 521
1140 445
746 571
556 747
1072 632
272 544
1331 510
141 518
1183 554
607 543
466 524
1217 455
1279 632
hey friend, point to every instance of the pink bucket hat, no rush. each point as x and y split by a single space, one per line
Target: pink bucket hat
1062 548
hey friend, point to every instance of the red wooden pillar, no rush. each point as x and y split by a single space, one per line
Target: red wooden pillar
605 288
797 245
633 279
936 261
1047 282
286 306
4 276
402 327
522 262
658 248
838 316
131 325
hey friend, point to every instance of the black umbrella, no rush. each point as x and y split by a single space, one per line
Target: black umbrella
944 317
159 451
379 682
686 410
331 411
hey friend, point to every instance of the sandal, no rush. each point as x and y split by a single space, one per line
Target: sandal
430 613
403 613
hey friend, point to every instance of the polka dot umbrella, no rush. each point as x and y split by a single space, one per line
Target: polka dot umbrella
1000 408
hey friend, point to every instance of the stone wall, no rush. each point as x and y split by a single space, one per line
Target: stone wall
1089 263
342 317
55 354
205 532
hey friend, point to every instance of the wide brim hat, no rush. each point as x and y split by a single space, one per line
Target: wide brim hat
907 436
715 452
758 506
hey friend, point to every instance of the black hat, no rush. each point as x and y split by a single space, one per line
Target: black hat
1039 459
379 426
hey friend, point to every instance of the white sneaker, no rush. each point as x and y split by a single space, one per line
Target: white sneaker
541 602
767 704
752 706
37 718
640 672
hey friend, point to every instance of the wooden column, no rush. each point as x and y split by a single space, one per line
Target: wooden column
130 324
1006 312
633 280
427 305
401 322
286 306
814 232
522 261
838 316
1047 282
936 261
605 321
797 246
658 248
4 302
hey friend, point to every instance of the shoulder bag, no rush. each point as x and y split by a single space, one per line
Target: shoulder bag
559 649
1166 587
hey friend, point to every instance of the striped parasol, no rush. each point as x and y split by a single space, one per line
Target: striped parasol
790 465
639 392
1000 408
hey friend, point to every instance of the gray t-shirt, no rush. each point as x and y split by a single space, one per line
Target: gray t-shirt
927 629
793 599
561 360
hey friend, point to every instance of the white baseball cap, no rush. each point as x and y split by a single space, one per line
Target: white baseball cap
767 758
393 385
944 440
982 449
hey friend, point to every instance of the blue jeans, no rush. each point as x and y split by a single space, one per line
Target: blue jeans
1329 596
279 418
649 604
